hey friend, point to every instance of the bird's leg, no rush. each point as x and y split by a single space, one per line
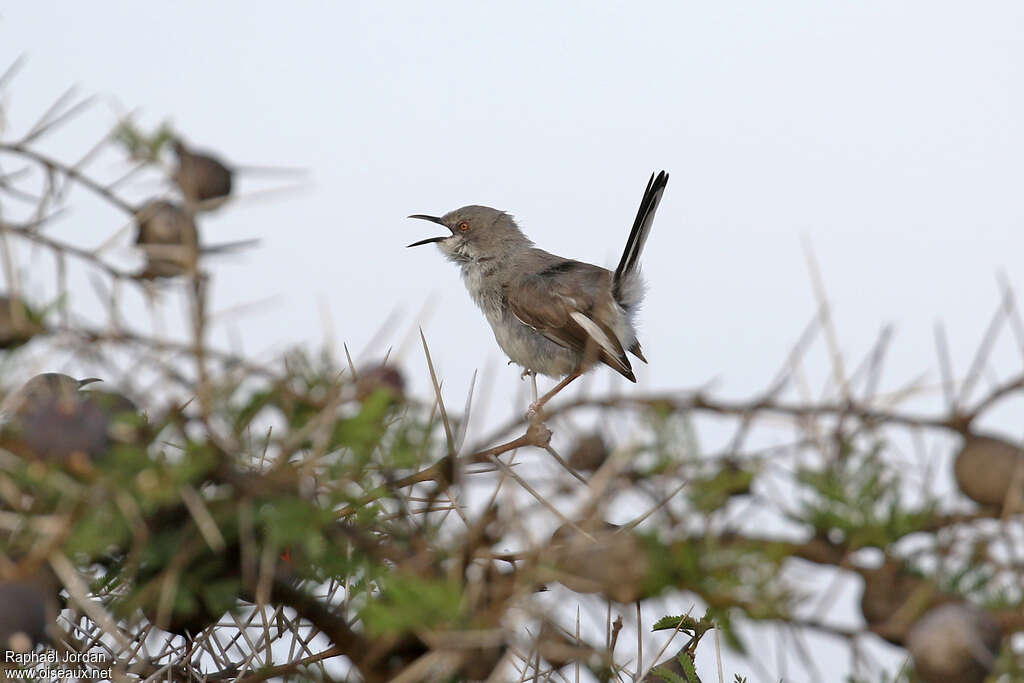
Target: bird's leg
535 407
527 372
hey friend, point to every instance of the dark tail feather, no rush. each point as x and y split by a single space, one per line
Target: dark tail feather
641 228
637 351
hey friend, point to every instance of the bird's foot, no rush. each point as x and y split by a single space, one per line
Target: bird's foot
534 413
526 373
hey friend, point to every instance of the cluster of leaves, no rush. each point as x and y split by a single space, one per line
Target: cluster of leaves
181 528
143 146
856 499
732 577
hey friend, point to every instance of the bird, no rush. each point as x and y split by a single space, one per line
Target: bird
551 315
47 386
52 419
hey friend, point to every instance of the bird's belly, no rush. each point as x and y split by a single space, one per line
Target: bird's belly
533 351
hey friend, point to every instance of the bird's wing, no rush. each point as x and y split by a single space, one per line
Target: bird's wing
562 303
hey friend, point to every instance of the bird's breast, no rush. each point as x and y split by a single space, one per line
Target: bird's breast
522 344
530 349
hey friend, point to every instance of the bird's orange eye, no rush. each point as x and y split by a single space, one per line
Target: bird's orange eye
463 226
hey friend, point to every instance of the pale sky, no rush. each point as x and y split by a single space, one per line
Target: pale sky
889 135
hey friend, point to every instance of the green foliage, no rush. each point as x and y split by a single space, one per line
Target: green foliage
407 603
180 527
684 623
669 676
295 521
254 404
363 432
142 146
686 661
858 496
713 619
686 665
725 575
100 527
711 492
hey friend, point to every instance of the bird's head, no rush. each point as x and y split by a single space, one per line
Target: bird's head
477 232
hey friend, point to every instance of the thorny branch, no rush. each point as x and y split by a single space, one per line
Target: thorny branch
393 582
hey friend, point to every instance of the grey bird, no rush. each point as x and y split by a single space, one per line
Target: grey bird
551 315
51 418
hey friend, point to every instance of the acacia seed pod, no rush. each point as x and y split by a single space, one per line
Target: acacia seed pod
954 643
989 470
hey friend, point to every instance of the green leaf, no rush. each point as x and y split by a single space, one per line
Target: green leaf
101 528
221 595
257 402
668 676
293 521
858 498
710 493
406 603
140 145
669 623
687 663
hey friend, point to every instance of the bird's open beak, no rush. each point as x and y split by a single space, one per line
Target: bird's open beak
429 240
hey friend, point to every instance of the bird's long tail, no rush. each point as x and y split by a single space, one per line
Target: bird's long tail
622 280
